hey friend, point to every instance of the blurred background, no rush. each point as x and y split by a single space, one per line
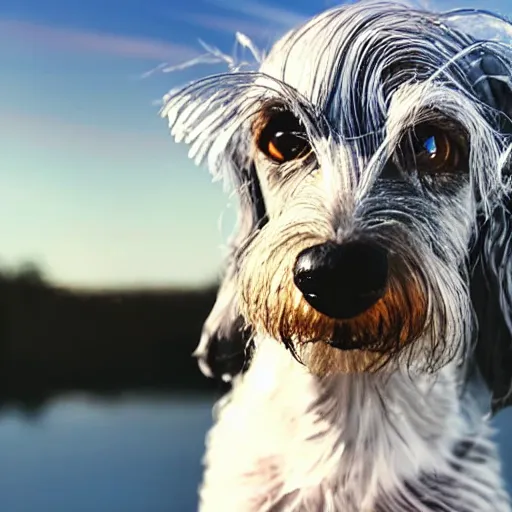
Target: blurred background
111 248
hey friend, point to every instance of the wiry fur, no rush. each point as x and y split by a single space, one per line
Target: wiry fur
395 426
285 440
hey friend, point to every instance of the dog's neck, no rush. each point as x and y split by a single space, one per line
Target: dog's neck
362 442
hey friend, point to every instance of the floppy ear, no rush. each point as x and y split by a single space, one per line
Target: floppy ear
209 116
491 284
223 348
491 291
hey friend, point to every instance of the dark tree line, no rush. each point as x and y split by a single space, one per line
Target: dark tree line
55 340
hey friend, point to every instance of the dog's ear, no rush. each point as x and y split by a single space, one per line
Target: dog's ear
209 115
491 291
491 258
224 349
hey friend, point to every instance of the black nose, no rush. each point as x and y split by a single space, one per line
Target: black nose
342 281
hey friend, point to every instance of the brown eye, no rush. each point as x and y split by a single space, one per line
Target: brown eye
431 149
283 138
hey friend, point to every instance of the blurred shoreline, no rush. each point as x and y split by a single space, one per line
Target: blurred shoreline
56 340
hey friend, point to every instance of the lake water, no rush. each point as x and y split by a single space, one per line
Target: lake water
130 455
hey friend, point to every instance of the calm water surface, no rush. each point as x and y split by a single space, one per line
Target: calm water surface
132 455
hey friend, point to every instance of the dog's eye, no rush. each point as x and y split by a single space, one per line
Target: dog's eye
283 138
431 149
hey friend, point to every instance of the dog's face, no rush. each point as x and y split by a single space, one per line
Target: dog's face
366 152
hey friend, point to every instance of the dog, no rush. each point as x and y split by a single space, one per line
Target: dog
364 318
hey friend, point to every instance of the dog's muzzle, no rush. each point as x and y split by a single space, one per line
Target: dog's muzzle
342 281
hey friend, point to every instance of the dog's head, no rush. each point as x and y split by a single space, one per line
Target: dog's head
369 155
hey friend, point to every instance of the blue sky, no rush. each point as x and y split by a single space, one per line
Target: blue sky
91 185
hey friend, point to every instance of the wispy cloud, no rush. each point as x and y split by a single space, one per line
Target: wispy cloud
231 25
253 18
65 39
276 16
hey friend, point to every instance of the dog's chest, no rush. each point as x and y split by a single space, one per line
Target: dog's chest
286 441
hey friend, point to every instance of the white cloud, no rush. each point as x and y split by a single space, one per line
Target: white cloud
66 39
230 25
276 16
257 20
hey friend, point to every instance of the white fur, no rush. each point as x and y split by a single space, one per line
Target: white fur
287 441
